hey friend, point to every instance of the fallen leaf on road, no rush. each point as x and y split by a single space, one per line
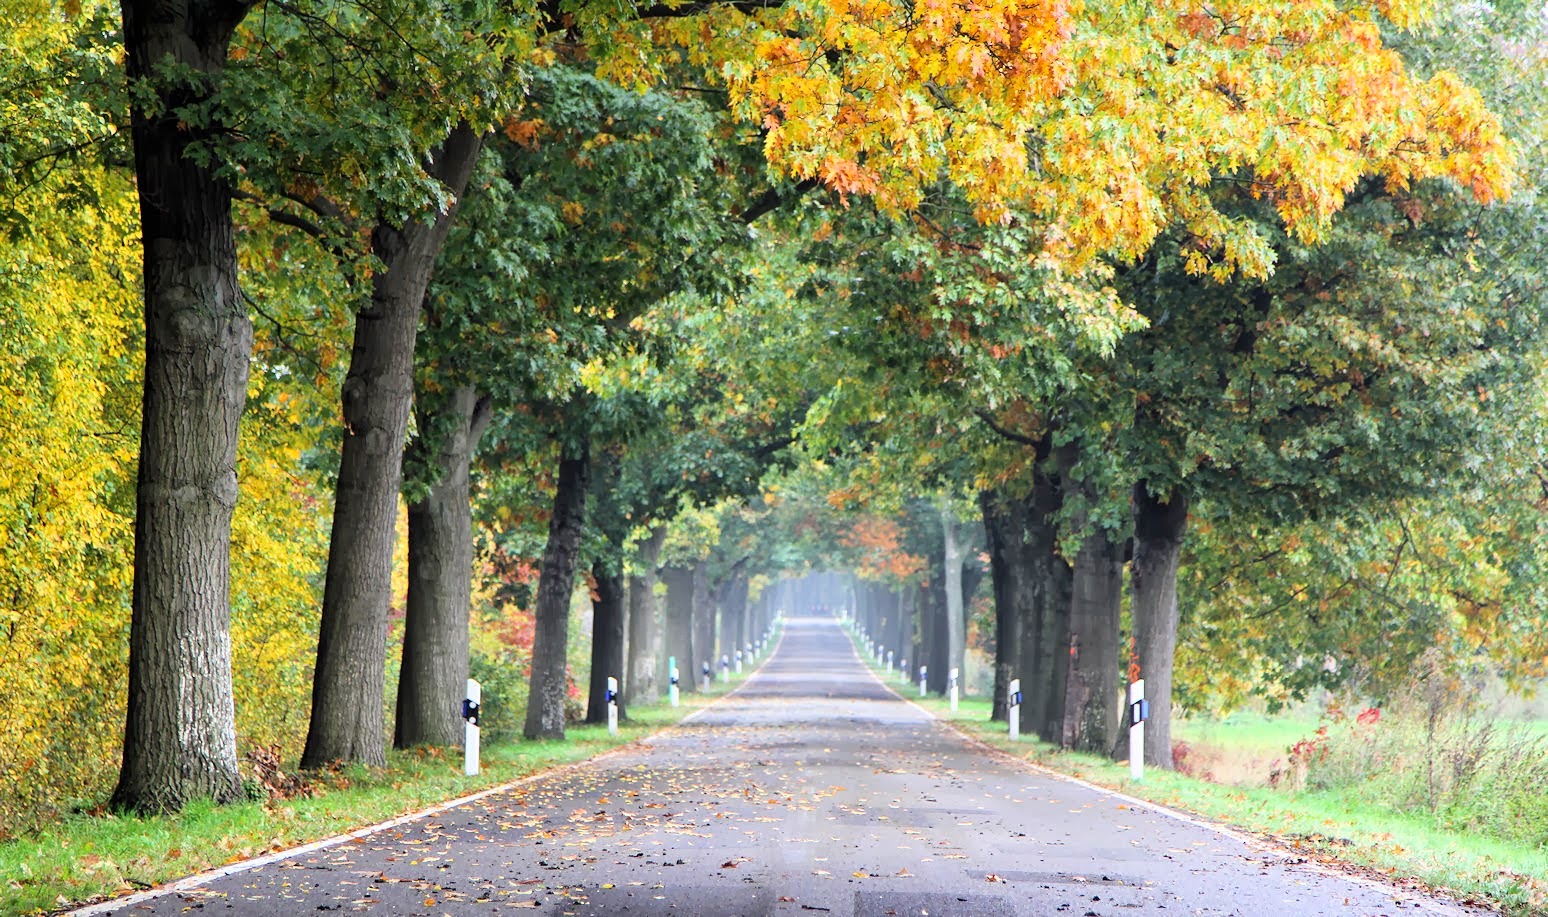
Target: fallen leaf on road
993 877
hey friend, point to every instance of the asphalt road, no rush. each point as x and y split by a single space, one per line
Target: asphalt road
812 790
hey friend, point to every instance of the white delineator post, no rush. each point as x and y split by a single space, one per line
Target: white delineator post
470 729
672 678
889 660
1013 712
923 671
1139 712
903 672
952 688
612 706
725 669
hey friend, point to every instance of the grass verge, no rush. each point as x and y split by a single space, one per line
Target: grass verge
1327 826
91 857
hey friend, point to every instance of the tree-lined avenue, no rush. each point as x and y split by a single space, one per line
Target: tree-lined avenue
812 789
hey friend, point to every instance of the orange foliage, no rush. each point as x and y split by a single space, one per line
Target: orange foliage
879 544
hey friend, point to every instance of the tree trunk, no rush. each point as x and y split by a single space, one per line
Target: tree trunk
179 733
556 582
703 618
1091 698
871 608
1160 526
679 625
890 611
1011 583
933 628
608 619
350 678
642 686
440 580
956 622
1045 632
733 613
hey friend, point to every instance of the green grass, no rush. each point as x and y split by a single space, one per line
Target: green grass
1327 825
88 857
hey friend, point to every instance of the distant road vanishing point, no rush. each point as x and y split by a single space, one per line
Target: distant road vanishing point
812 790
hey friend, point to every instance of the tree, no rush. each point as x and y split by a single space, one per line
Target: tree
179 737
347 714
435 635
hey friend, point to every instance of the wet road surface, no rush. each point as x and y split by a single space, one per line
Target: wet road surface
812 790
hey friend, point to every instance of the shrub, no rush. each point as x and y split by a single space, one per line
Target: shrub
1432 753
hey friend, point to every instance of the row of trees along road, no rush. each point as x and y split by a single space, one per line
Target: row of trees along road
1096 266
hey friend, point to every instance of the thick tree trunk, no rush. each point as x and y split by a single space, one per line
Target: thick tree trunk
1160 525
1011 583
896 624
179 733
933 634
679 625
440 580
956 621
733 613
556 582
642 686
1092 694
703 619
350 678
608 620
868 608
1045 633
1091 699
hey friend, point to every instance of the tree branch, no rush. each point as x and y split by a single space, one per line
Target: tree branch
773 199
1040 445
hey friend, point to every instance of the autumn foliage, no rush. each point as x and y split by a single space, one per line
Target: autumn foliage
877 543
1103 123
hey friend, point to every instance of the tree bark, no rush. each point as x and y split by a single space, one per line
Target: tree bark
890 610
679 625
1160 525
608 621
1045 632
642 686
434 673
1008 579
934 650
733 613
1091 695
956 621
179 732
556 581
703 618
350 678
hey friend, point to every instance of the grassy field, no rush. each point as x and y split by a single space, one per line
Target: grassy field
1335 826
89 857
1240 750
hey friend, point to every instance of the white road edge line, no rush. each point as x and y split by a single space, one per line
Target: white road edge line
204 878
1417 899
